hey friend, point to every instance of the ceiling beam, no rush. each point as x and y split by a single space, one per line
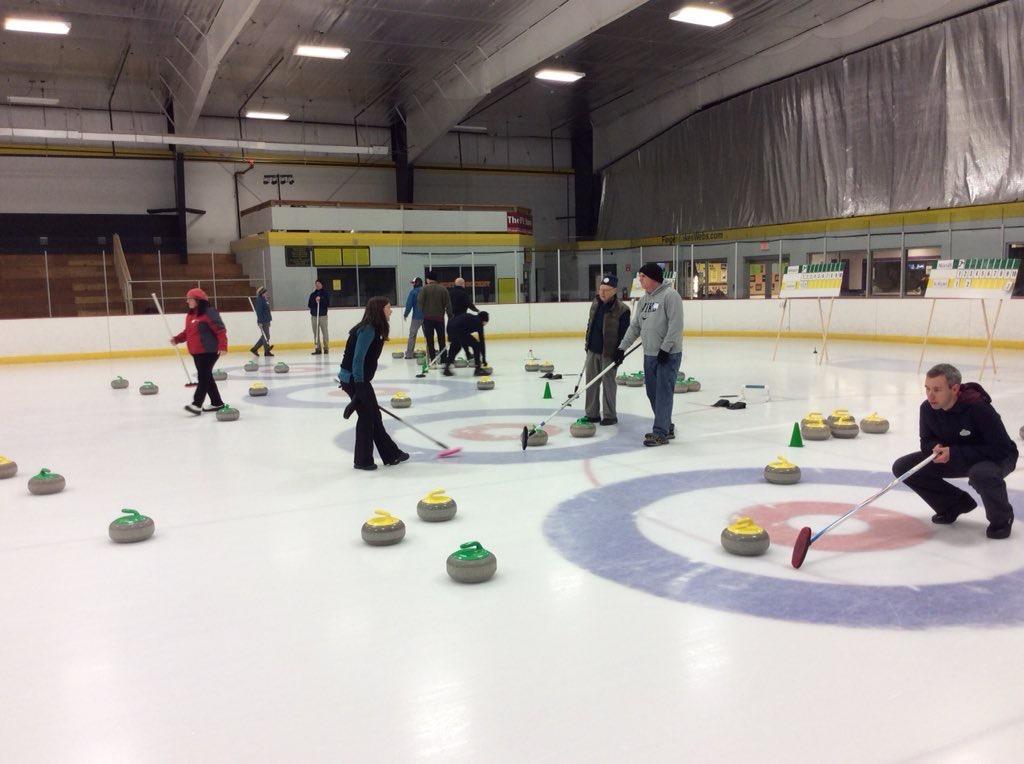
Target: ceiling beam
456 92
617 133
202 66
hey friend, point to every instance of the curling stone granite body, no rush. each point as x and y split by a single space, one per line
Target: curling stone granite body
220 375
131 527
745 538
258 389
227 414
251 366
844 427
383 530
581 428
874 424
837 414
545 367
420 353
471 564
281 368
813 416
485 383
621 379
782 472
635 380
537 438
436 507
532 365
397 354
148 388
8 469
692 385
461 363
400 401
681 386
815 431
119 384
46 482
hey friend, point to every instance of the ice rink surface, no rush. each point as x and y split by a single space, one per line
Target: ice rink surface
256 626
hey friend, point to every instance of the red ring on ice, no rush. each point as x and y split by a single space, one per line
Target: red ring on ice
886 529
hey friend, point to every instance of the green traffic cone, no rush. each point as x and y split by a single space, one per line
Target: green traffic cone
795 441
547 391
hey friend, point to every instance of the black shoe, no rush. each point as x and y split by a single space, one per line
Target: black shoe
593 419
650 435
448 372
999 531
656 440
367 467
268 354
316 352
349 410
255 351
948 518
211 407
721 402
478 372
608 420
402 456
193 409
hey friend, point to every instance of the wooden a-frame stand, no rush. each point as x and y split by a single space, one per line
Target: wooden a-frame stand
826 322
990 335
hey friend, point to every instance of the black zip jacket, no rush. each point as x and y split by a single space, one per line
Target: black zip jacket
972 429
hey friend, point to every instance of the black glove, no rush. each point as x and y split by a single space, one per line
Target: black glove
662 357
620 356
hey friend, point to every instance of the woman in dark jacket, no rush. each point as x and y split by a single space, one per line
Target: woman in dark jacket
207 339
358 365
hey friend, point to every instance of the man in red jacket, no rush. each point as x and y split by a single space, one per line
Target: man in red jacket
959 424
207 339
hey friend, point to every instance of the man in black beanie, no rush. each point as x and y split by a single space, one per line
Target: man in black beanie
658 322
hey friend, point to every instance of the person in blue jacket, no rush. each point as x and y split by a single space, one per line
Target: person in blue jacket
263 318
358 365
411 306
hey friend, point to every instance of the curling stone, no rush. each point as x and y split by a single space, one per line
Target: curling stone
398 354
258 389
251 366
383 530
420 353
461 363
581 428
220 375
814 427
745 538
636 379
844 427
119 384
148 388
622 378
831 418
782 472
280 368
532 365
471 564
400 401
227 414
545 367
692 385
487 370
681 386
8 469
131 527
485 383
537 438
436 507
874 424
46 482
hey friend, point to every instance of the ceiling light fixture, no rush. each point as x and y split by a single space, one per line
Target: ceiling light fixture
321 51
266 115
559 75
32 101
39 26
702 15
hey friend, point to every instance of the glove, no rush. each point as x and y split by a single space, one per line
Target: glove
662 357
619 357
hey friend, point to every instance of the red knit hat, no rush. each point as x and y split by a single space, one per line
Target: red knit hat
197 294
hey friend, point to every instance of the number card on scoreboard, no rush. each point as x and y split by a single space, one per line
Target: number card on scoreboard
816 280
980 278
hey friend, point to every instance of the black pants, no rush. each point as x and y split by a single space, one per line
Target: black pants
204 371
264 341
467 341
987 478
370 430
432 329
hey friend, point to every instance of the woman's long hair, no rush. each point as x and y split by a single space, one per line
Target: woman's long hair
200 308
374 316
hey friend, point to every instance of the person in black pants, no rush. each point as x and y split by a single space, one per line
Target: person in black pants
358 365
207 340
435 303
460 335
959 425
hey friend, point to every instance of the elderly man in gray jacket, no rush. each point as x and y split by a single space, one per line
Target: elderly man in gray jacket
658 321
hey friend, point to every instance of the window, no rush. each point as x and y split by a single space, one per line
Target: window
920 261
885 272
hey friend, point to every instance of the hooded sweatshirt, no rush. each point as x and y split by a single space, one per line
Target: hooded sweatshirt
972 429
658 321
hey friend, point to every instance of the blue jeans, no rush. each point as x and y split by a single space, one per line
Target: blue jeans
660 381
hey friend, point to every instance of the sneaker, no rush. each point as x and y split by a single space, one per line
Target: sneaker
650 435
409 357
478 372
656 440
948 518
593 419
316 352
268 354
367 467
402 456
211 407
999 531
193 409
608 420
255 351
448 372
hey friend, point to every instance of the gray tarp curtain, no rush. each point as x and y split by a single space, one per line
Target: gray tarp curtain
933 119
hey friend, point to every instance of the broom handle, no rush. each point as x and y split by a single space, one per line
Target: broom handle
576 394
895 482
167 326
412 427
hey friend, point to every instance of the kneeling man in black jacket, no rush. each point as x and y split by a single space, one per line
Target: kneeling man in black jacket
959 424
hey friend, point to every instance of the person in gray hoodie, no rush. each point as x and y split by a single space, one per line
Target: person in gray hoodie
658 322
